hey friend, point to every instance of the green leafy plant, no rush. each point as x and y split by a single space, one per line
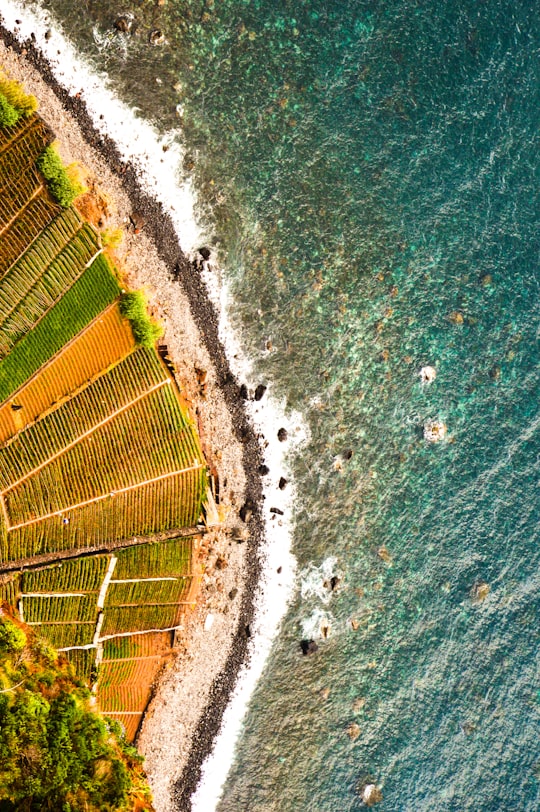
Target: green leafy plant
145 330
24 103
56 753
8 113
61 187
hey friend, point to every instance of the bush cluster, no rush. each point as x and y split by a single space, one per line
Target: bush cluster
55 752
133 307
8 114
24 103
60 186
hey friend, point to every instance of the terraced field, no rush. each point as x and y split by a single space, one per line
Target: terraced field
102 478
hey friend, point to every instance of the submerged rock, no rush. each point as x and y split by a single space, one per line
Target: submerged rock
371 794
353 731
428 374
156 37
282 435
480 591
434 431
308 647
259 392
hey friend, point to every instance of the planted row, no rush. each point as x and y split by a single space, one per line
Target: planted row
119 619
84 574
96 288
64 635
17 195
137 645
139 444
48 288
64 609
26 228
83 661
23 274
142 592
23 150
174 502
104 342
126 381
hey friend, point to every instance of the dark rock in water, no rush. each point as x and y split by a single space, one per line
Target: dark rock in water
233 593
277 511
347 454
156 37
308 647
205 253
334 581
279 570
244 392
495 373
259 392
282 484
247 630
48 34
282 435
246 511
264 470
123 24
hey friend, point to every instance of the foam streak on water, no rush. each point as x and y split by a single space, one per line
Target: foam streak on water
139 143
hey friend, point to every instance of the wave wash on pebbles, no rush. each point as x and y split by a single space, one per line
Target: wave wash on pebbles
140 145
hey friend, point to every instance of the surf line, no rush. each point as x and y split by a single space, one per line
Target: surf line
140 145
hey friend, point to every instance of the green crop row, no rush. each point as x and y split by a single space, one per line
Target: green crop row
127 380
155 560
83 574
47 289
174 502
18 281
143 592
95 289
137 645
120 619
64 635
26 228
83 661
139 444
9 592
65 609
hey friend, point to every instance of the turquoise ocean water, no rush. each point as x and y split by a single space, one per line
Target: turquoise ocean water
370 171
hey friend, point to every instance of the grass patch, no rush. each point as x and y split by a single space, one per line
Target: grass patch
62 188
146 331
24 103
8 114
95 289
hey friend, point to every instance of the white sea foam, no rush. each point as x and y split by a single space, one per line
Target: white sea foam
315 580
141 144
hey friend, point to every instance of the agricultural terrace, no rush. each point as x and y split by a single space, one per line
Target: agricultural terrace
102 478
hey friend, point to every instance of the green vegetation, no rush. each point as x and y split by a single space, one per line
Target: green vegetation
61 187
93 291
8 114
56 753
24 103
145 329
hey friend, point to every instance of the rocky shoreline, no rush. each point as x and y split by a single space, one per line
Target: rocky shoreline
186 713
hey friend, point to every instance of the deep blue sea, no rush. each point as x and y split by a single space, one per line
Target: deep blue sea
370 173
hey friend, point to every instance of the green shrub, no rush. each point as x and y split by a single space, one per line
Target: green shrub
60 186
11 637
8 114
56 753
145 331
24 103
